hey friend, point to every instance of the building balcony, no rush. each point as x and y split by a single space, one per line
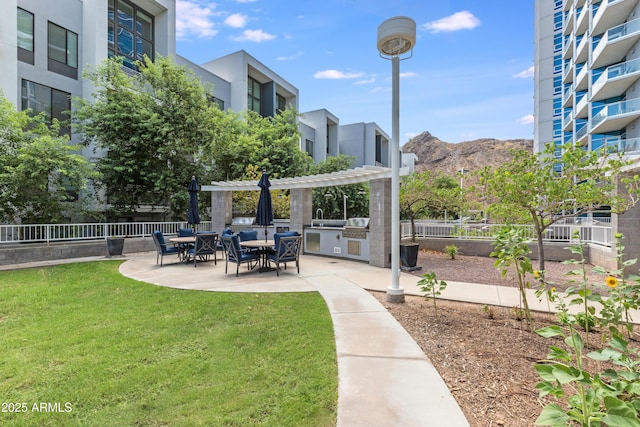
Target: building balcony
567 121
616 116
568 22
567 5
615 80
582 50
616 43
582 110
619 145
582 81
582 21
611 13
567 96
567 52
567 76
582 132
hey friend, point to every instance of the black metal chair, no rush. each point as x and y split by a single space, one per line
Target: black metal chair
287 249
163 248
236 255
204 247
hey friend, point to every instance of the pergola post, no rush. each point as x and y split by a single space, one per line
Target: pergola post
380 222
221 209
300 205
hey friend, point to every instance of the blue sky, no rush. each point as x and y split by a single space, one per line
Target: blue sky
471 74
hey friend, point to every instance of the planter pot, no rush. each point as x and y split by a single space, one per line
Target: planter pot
409 254
115 246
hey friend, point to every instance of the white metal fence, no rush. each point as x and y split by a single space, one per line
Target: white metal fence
589 233
48 233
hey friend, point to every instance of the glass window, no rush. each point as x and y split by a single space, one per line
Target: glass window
282 102
253 98
25 37
125 15
62 50
308 147
126 40
55 104
25 30
144 25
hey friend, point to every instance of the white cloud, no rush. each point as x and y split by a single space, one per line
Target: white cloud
365 82
290 57
526 74
407 74
237 20
194 20
526 120
253 36
335 74
245 1
458 21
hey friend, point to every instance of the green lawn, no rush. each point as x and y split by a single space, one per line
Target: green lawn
101 349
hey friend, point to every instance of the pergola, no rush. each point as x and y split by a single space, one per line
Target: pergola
301 209
350 176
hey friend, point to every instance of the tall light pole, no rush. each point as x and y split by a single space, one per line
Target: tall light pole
461 172
396 36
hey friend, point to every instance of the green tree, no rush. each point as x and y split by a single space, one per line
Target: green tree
423 194
331 199
557 183
149 132
40 173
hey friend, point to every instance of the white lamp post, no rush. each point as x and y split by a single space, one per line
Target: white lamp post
396 36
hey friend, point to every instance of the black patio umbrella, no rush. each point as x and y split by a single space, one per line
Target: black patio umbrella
193 217
264 214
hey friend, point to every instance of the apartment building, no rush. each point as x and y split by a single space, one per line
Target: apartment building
46 46
587 83
587 71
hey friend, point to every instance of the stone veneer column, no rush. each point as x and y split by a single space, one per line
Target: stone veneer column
300 206
626 224
380 222
221 210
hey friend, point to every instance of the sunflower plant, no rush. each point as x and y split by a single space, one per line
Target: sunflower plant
580 397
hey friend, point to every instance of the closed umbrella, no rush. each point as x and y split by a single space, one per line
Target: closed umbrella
264 214
193 217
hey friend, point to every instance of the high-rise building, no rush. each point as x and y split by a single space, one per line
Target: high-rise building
587 71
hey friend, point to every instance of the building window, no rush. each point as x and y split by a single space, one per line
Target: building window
219 102
253 97
378 149
62 51
308 147
281 102
25 36
54 103
130 33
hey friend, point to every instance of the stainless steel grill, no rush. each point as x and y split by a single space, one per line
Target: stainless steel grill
356 228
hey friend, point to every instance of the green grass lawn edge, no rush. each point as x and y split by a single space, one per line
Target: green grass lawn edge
83 345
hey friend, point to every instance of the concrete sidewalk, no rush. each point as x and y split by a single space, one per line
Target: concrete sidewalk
385 379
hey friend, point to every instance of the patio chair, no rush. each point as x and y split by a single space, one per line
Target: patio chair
163 248
185 232
249 235
204 247
287 249
236 255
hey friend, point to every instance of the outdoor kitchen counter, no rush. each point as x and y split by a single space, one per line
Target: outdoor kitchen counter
340 242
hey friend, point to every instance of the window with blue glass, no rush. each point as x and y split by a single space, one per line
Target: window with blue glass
557 64
557 107
557 85
557 21
557 43
130 32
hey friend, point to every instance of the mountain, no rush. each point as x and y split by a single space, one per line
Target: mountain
439 156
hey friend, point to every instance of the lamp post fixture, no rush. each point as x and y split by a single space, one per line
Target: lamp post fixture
396 36
461 171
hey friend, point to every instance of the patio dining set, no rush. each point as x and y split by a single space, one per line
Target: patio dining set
239 248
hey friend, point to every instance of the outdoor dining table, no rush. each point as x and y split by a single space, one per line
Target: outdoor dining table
183 243
263 246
